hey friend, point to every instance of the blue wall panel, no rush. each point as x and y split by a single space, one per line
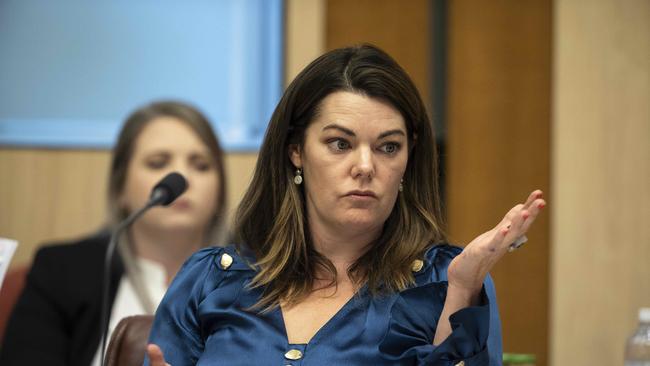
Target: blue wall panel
71 71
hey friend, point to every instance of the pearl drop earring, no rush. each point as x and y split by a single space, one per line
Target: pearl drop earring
297 180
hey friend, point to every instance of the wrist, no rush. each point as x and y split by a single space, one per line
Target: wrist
468 296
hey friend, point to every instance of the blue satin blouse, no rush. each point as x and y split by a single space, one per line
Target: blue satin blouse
202 321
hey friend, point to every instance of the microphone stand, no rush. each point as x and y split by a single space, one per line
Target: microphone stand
157 198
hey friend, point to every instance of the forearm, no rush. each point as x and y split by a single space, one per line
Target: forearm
457 298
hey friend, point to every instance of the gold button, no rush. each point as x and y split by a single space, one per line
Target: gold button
417 265
226 261
293 354
461 363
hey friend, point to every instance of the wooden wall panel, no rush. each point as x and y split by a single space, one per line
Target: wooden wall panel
400 28
601 178
498 121
48 195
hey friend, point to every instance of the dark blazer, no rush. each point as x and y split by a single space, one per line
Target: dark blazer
56 319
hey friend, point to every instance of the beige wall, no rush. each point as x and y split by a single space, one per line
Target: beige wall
305 34
50 195
600 178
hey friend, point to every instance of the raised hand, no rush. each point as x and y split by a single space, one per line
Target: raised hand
468 270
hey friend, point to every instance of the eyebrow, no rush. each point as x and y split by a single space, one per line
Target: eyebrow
334 126
349 132
166 152
157 152
391 132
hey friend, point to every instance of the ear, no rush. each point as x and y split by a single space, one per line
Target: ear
295 155
414 141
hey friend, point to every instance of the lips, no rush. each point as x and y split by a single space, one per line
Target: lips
361 194
182 204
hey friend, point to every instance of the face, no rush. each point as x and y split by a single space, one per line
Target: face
165 145
353 158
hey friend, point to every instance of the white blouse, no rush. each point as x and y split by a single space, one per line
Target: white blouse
126 301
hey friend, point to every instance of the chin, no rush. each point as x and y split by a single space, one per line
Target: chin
177 222
365 222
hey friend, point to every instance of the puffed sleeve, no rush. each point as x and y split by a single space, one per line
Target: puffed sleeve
176 328
415 314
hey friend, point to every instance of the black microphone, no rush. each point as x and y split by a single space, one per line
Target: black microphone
162 194
168 189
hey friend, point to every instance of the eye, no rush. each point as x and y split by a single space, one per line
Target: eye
201 163
202 166
390 147
338 144
157 162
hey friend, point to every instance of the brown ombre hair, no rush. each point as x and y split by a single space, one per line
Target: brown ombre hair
271 221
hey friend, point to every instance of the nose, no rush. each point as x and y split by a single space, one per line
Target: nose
181 167
364 165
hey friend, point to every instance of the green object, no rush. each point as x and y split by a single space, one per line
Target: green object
518 359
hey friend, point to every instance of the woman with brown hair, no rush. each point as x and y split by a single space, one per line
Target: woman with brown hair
56 320
341 257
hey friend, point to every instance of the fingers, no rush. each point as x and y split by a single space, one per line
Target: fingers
534 204
510 217
156 356
516 227
534 195
519 219
534 210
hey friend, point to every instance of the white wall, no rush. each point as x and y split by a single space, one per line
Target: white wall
600 255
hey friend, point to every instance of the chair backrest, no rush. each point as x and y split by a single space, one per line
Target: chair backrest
12 287
129 341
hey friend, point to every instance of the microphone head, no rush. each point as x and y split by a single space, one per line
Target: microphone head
168 189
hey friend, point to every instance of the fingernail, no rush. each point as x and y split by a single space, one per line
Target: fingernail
541 205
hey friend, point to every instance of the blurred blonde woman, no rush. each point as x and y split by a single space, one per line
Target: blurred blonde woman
56 319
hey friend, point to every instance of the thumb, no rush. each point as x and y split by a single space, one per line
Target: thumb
156 357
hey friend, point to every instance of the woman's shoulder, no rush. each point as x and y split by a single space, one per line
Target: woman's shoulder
82 256
224 258
69 272
86 246
213 264
211 271
442 253
433 267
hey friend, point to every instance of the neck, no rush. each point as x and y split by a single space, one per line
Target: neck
170 248
342 249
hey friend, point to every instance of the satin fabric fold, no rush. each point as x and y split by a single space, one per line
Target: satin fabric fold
205 319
